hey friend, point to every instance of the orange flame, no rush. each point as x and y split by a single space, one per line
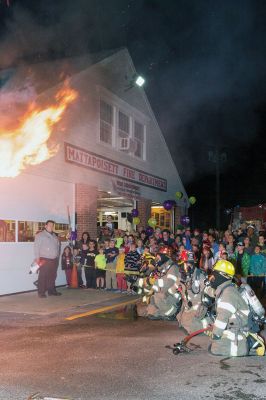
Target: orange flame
27 143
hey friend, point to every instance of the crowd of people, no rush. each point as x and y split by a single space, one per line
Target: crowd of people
107 259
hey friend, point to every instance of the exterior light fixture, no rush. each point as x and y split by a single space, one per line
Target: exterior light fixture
134 81
139 81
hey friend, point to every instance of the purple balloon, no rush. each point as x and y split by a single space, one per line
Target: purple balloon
184 220
173 202
149 231
134 213
167 205
73 235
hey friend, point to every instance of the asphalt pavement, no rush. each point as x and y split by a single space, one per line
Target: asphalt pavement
111 354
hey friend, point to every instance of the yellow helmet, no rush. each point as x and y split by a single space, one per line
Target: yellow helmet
225 266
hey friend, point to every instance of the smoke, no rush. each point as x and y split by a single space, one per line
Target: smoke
208 75
203 60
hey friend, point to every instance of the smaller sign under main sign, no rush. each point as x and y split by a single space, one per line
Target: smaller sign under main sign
84 158
126 189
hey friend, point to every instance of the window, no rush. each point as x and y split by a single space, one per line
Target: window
7 231
106 122
123 125
139 139
28 229
119 129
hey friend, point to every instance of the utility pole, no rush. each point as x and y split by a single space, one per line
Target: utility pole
217 157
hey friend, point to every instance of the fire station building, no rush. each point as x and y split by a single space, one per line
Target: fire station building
110 157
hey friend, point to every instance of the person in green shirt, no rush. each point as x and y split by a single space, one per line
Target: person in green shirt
100 265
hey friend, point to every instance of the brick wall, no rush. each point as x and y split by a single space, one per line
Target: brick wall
86 209
144 208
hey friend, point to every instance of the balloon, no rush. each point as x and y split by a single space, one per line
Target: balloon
136 220
192 200
149 231
184 220
152 222
167 205
134 212
73 235
173 202
179 195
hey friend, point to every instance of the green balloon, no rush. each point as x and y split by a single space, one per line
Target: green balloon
179 195
152 222
192 200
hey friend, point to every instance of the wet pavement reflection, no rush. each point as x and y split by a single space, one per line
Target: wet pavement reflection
128 312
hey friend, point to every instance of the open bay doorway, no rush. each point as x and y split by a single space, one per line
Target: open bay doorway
114 212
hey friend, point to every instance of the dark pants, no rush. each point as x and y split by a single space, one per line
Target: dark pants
257 284
90 275
47 275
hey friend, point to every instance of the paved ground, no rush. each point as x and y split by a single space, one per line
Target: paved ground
112 355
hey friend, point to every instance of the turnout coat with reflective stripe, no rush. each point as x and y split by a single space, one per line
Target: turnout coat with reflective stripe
231 322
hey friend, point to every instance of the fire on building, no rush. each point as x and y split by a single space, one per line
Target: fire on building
89 146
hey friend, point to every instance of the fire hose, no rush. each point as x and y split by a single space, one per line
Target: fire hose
181 347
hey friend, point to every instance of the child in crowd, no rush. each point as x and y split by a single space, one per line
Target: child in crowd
119 238
67 264
132 264
89 265
77 262
206 261
100 265
111 253
140 247
120 270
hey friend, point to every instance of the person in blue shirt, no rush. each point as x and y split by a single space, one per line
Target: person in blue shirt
257 271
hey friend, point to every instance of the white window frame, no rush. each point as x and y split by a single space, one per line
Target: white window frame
102 99
134 115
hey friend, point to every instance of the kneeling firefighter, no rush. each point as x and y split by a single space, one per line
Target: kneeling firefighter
162 304
194 314
232 333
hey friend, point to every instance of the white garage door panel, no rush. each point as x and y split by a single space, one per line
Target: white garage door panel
29 198
35 198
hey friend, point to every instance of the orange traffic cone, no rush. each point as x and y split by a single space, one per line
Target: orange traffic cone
74 277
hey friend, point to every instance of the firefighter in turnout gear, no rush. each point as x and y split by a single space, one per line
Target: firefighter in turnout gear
231 329
195 312
162 303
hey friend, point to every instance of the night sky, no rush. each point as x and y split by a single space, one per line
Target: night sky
205 66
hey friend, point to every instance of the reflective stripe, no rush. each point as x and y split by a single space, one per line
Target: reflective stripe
155 288
170 291
160 283
226 306
233 350
141 281
245 312
139 291
170 311
171 276
231 335
204 323
220 324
